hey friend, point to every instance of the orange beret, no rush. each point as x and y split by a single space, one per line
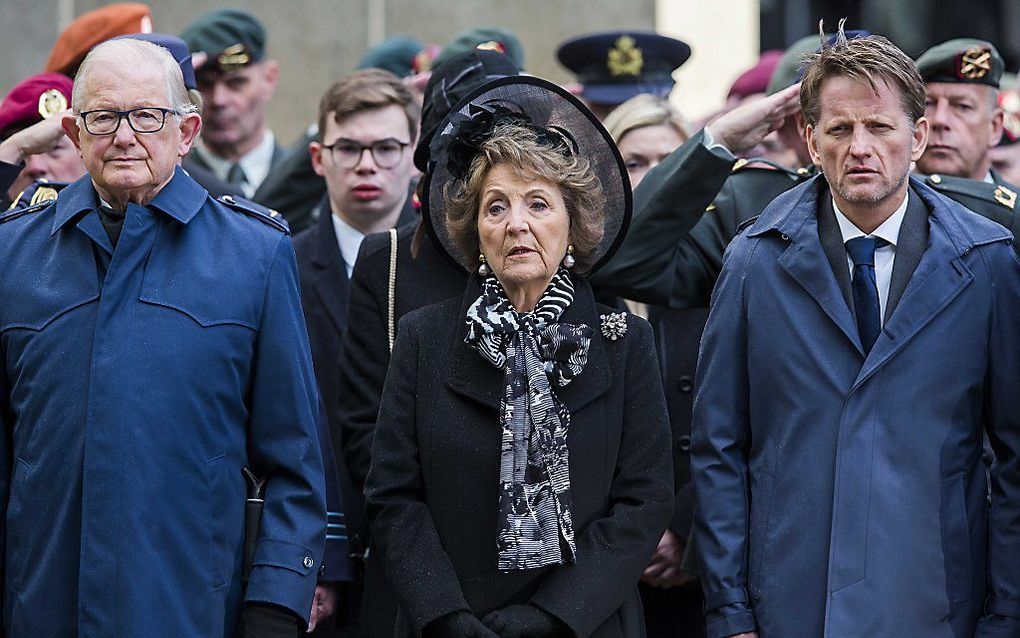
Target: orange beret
94 27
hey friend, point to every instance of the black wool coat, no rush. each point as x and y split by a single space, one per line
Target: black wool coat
432 487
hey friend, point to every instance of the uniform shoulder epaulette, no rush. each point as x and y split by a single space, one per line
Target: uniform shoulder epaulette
764 164
746 224
14 213
1003 195
265 215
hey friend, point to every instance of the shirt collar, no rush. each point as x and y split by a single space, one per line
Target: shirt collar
349 239
888 230
989 178
181 198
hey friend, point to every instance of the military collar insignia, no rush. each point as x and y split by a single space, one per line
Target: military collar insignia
234 58
51 102
974 64
625 58
45 194
614 325
1005 196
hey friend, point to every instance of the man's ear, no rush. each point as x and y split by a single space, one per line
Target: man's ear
995 133
921 138
812 144
69 123
315 152
191 124
271 69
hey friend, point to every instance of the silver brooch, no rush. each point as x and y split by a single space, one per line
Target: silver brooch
614 325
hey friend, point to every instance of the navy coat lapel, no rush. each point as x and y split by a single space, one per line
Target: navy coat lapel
330 275
835 250
804 256
473 377
910 246
938 278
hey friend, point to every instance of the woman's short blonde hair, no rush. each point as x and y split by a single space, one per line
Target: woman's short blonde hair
641 111
518 147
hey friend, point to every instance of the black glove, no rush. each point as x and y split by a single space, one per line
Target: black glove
459 624
269 621
526 621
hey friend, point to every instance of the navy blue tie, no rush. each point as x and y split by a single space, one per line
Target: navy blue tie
865 289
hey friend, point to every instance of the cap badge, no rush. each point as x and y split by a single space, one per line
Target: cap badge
625 57
492 45
974 64
1005 196
422 62
233 58
51 102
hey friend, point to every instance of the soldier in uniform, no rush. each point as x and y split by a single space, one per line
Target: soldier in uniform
962 80
36 158
237 81
614 66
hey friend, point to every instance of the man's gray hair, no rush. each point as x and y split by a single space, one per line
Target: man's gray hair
138 52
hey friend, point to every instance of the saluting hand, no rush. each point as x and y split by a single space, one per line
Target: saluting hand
746 126
38 138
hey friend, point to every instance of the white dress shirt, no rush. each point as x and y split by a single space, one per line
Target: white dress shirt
889 230
255 164
349 239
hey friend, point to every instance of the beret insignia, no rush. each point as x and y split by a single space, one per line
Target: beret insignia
51 102
233 58
974 64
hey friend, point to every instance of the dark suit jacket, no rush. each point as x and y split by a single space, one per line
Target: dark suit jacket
432 487
195 165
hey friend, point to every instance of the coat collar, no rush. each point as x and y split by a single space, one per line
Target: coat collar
473 377
181 199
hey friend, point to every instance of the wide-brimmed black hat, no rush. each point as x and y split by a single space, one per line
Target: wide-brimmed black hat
559 117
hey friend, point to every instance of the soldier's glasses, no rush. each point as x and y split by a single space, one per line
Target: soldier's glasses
149 119
347 153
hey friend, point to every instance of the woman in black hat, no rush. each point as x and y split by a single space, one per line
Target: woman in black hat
521 470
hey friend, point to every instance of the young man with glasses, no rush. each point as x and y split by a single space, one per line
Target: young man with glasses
368 125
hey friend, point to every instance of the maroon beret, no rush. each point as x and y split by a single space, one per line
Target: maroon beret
756 79
34 99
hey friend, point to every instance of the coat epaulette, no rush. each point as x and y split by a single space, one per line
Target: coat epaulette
764 164
998 193
747 223
265 215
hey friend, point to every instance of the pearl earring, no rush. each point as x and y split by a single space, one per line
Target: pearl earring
483 269
569 261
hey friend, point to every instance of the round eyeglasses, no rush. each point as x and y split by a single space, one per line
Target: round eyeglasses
385 153
148 119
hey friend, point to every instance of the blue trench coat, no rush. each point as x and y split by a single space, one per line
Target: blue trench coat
844 495
135 385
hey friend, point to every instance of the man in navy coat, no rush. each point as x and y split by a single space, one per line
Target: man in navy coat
864 337
152 345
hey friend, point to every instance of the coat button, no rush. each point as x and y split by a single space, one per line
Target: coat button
686 384
308 562
685 443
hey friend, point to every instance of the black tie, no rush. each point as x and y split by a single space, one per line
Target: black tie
865 289
236 176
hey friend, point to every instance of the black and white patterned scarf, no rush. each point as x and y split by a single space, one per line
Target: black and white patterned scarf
535 528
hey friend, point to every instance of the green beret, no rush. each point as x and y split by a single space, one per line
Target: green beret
495 38
787 71
231 38
964 61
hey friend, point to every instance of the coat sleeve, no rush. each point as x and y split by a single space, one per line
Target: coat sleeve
283 447
719 455
6 462
336 561
613 551
364 359
1002 607
668 203
417 566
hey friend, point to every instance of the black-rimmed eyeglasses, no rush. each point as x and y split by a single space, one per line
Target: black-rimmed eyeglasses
385 153
148 119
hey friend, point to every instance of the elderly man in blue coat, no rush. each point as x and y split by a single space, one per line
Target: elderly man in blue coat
152 345
864 337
